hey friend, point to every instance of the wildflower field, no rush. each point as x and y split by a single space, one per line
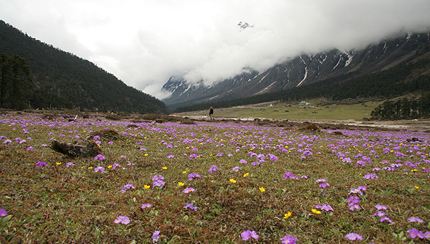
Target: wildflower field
220 182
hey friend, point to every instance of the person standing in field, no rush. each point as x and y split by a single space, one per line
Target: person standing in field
211 113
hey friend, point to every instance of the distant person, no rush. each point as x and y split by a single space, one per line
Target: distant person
211 113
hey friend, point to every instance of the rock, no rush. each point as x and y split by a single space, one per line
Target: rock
413 139
310 127
91 149
339 133
107 134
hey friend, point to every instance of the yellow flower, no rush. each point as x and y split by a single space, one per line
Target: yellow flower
109 166
184 172
187 148
417 187
315 211
286 147
164 167
145 155
414 170
180 183
90 167
146 186
232 181
288 214
58 163
262 189
246 175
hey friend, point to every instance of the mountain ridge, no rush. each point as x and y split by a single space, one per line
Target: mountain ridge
302 70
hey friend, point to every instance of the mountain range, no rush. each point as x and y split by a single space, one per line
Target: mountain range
62 80
305 71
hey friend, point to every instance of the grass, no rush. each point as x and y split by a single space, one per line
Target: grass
293 111
75 204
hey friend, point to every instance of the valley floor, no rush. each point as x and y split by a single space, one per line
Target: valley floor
307 110
210 182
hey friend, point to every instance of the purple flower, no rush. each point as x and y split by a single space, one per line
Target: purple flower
190 206
289 239
155 236
235 169
158 181
261 157
248 235
255 163
290 175
359 190
324 185
354 207
99 169
122 220
347 160
381 207
321 180
7 141
188 190
145 205
213 169
243 161
414 233
3 212
70 164
115 165
353 237
41 164
370 176
273 157
170 156
193 176
353 203
385 219
325 207
415 220
127 187
100 157
379 214
193 156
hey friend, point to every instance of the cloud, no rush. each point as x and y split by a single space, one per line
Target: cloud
144 42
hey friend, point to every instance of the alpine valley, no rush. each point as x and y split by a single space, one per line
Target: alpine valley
405 57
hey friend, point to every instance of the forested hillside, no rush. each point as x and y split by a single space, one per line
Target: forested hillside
63 80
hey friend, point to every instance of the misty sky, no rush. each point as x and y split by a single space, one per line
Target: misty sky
144 42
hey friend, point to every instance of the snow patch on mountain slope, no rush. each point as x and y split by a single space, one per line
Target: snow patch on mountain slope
304 77
348 61
266 88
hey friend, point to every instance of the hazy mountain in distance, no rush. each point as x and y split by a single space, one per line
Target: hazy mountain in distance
302 71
